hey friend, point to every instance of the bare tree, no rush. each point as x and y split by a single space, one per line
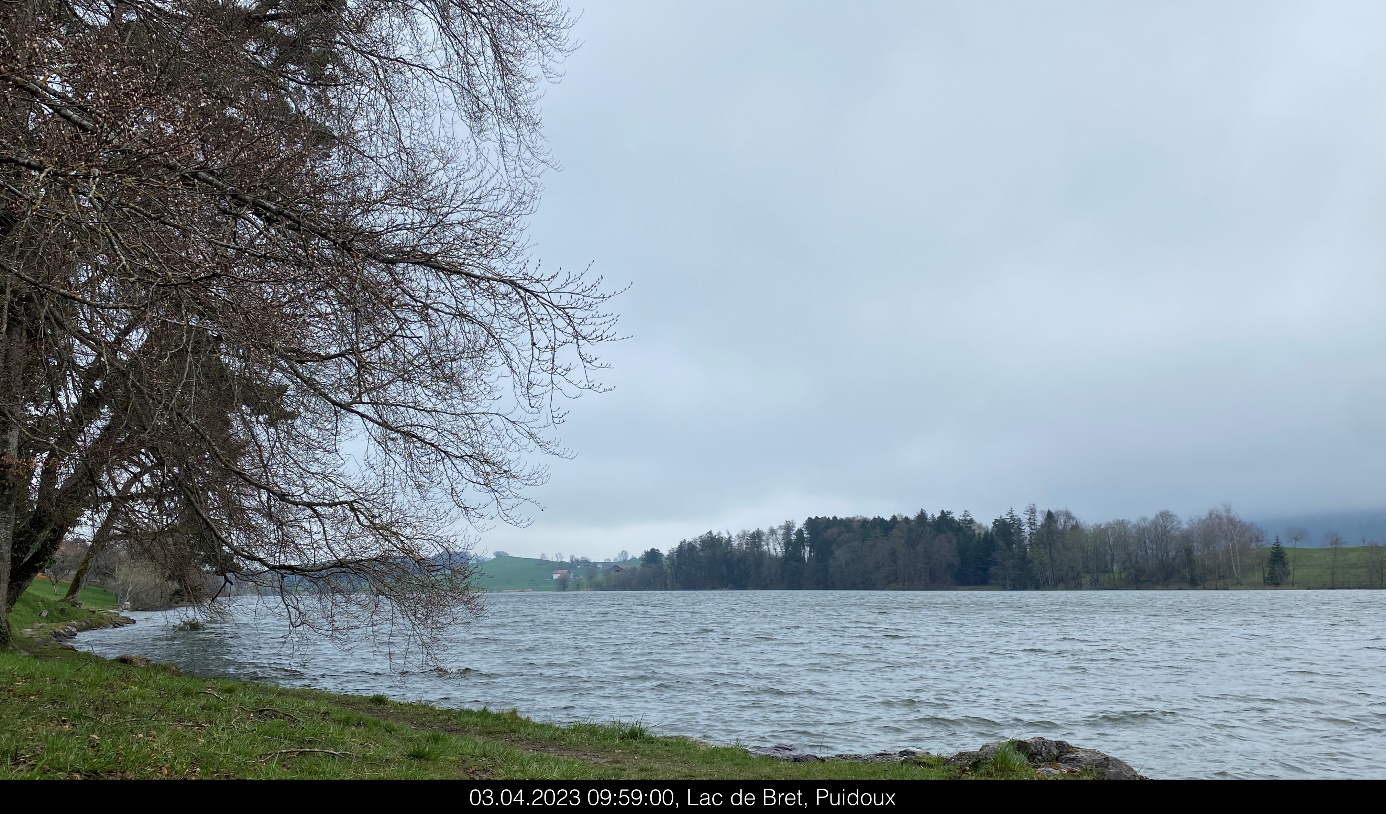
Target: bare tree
1223 542
1334 542
142 586
64 563
1375 554
1296 535
266 297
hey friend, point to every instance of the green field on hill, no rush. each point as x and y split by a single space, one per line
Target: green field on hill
524 574
1348 567
518 574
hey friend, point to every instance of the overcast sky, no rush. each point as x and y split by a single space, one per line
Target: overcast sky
1112 257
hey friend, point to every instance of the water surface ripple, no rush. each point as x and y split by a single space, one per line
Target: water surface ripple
1198 684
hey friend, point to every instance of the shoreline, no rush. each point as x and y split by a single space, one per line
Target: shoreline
69 713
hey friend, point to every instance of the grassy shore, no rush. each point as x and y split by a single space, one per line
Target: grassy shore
69 714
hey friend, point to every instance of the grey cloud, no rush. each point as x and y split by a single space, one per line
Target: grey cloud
961 256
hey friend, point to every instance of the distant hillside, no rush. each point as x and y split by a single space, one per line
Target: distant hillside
524 574
1353 526
518 574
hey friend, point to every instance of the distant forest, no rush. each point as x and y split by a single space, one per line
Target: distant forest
1029 550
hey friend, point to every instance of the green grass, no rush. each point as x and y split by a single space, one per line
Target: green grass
525 574
1007 764
1355 567
29 610
1314 568
517 574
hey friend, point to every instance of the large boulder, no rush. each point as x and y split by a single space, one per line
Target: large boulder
1059 757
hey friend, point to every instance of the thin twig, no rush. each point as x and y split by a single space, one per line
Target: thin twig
306 751
271 709
254 711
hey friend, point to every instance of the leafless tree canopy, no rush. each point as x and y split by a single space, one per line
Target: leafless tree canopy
267 305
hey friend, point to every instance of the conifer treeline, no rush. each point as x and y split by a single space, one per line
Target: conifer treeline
1033 549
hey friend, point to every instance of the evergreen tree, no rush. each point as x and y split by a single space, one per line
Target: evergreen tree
1011 566
820 551
792 566
1277 564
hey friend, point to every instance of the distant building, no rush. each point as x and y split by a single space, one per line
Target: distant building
559 574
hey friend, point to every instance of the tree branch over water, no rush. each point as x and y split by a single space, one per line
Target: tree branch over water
267 306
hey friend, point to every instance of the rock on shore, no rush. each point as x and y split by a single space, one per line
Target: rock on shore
1058 757
67 632
1048 757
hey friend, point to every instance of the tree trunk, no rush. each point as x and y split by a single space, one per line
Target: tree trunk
13 474
7 501
98 544
52 519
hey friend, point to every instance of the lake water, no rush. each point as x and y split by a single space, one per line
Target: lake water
1180 684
